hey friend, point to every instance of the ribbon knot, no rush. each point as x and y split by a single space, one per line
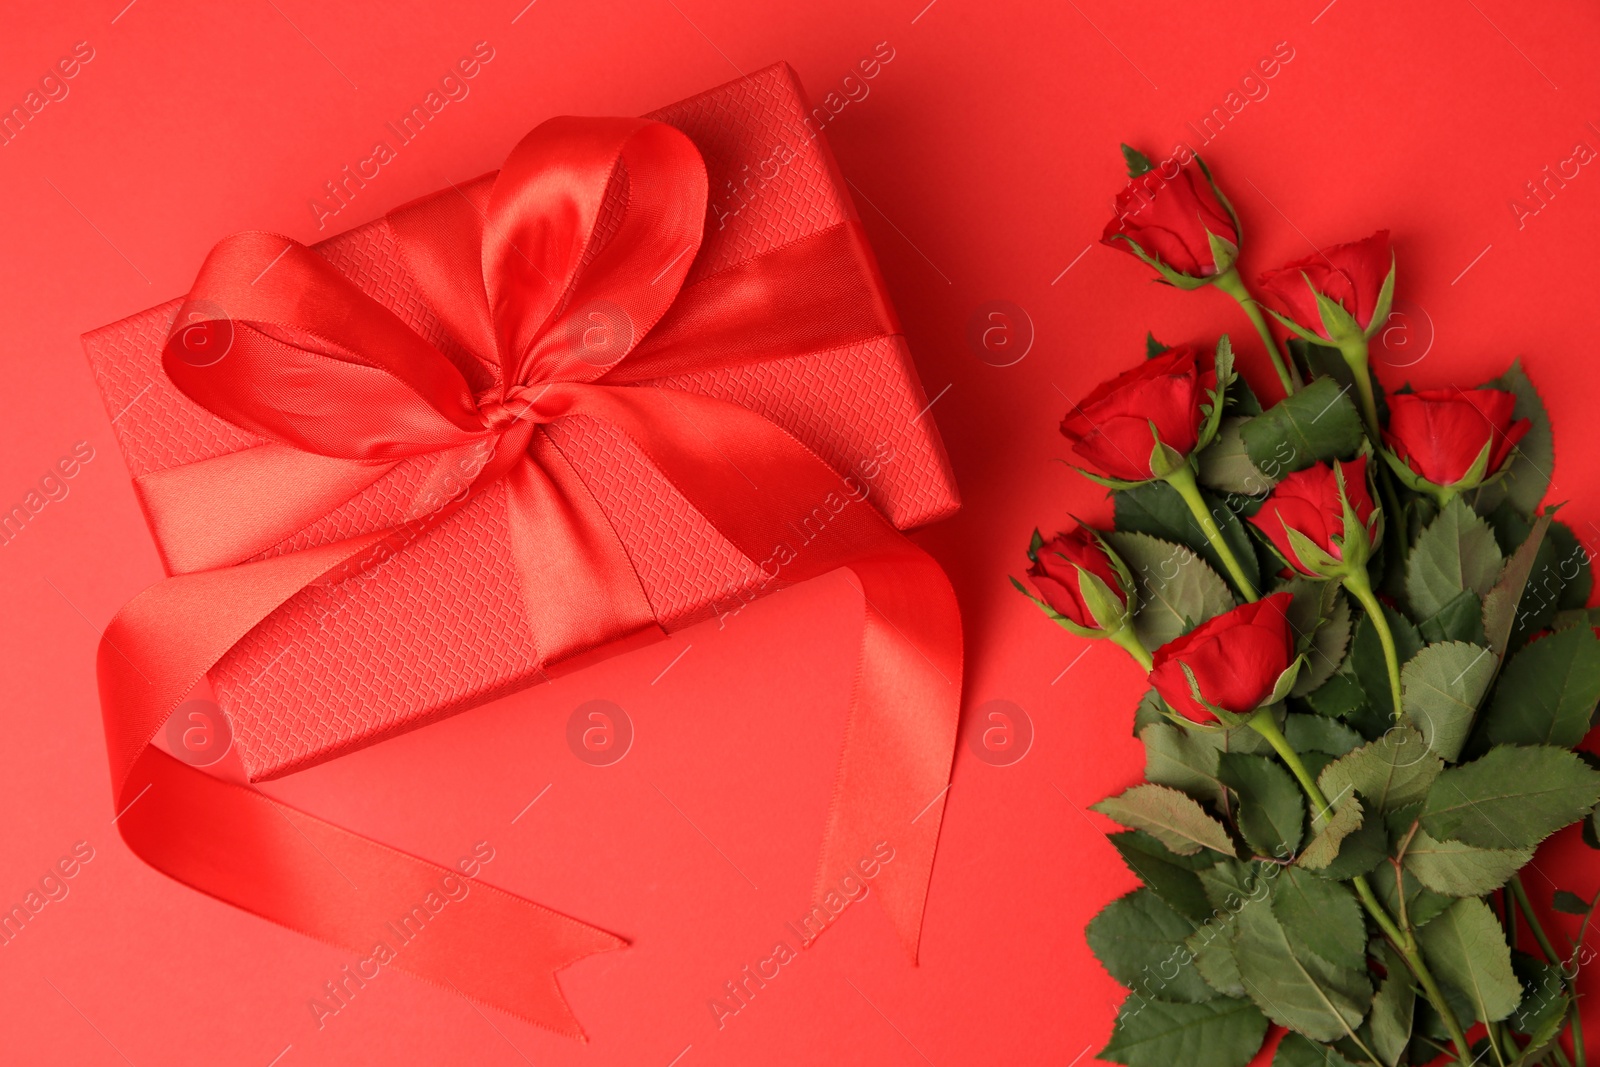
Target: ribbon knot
518 405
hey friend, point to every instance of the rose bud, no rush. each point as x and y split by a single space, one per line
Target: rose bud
1080 580
1339 295
1136 425
1321 519
1238 661
1446 440
1182 226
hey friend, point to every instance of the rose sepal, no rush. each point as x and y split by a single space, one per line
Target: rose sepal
1380 310
1474 478
1222 367
1227 205
1280 692
1176 278
1106 480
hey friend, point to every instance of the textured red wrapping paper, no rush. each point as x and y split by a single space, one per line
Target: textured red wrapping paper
440 627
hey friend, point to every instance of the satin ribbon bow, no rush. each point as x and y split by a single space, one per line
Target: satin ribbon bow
563 275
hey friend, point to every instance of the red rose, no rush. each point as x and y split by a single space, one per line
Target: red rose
1439 433
1171 221
1055 574
1351 275
1237 658
1308 502
1111 426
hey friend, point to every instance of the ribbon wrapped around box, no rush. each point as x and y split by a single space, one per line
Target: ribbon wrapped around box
644 372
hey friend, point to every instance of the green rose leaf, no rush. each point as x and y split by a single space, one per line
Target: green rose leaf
1547 692
1511 797
1319 615
1296 988
1229 883
1297 1051
1324 847
1224 464
1170 876
1459 620
1319 422
1461 870
1175 587
1361 850
1321 916
1571 903
1150 709
1422 905
1313 733
1226 1032
1391 772
1340 697
1571 568
1466 948
1544 1004
1173 756
1138 939
1389 1022
1441 687
1528 473
1173 818
1212 946
1155 508
1271 812
1500 604
1456 552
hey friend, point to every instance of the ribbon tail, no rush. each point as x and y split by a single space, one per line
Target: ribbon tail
281 864
900 737
761 488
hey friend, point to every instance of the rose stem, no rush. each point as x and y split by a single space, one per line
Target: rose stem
1520 895
1359 584
1356 357
1264 724
1129 642
1230 282
1181 478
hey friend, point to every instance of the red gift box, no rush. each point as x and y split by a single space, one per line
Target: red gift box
635 378
441 628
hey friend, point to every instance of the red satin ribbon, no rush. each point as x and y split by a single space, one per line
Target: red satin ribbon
586 214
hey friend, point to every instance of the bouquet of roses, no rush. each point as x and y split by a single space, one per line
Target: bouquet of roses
1370 666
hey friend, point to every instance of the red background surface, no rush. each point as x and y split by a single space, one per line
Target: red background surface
984 156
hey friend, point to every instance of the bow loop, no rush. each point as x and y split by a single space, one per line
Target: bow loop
590 230
582 243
